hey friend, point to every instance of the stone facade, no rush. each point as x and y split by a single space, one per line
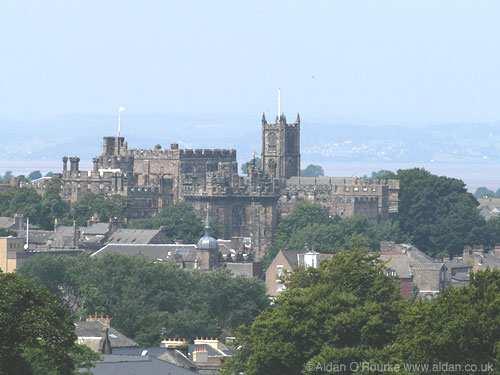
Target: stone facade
248 206
343 196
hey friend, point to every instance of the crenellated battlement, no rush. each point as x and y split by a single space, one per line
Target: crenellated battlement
207 153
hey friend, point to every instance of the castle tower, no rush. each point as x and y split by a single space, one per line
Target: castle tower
281 147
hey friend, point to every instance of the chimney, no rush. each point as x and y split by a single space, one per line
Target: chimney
174 343
200 353
114 224
19 222
105 320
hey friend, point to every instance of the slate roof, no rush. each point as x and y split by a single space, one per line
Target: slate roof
241 269
133 236
94 329
398 263
95 229
172 356
38 237
152 251
410 262
6 222
113 364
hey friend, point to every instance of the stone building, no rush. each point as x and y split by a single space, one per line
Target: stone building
249 206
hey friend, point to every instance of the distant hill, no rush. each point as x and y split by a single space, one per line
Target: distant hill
49 139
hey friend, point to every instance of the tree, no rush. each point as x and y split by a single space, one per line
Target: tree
6 177
254 161
438 213
460 327
312 170
180 222
483 192
310 226
384 175
35 175
147 298
105 207
37 330
344 311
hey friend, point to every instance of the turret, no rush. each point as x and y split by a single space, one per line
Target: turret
74 165
264 121
65 164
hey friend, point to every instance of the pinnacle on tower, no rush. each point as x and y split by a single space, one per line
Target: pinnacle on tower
207 221
264 121
298 118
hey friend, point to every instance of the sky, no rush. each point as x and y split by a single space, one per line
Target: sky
412 61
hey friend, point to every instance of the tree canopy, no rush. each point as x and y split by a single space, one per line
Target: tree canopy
37 332
180 222
147 298
310 225
312 170
256 160
349 313
344 311
438 213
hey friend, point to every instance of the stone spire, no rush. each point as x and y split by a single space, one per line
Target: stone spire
298 118
264 121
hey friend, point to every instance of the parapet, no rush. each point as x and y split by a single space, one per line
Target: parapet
207 153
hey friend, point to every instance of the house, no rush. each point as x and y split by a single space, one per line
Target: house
288 261
418 273
203 356
489 207
90 333
458 272
209 355
116 364
480 259
184 255
15 223
138 236
10 250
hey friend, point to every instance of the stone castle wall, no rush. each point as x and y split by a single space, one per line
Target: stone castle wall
246 206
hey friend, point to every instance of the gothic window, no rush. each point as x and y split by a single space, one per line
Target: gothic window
271 166
271 141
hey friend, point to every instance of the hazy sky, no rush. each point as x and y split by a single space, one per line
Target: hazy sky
380 60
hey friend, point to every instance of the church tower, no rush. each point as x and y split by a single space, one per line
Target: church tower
281 147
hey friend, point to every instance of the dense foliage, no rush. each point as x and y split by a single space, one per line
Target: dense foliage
346 310
310 226
312 170
254 161
146 299
438 214
484 192
180 222
37 332
99 206
348 314
44 209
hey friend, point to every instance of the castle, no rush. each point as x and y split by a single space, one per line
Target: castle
248 207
